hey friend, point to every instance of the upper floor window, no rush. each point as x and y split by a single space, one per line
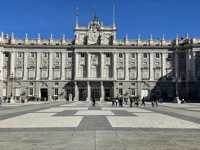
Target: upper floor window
120 55
32 54
69 55
132 55
107 55
157 55
170 55
145 55
82 55
57 55
44 54
19 54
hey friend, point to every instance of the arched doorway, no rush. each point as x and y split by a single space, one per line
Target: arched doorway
43 92
145 91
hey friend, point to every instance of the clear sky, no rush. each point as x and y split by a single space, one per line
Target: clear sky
132 17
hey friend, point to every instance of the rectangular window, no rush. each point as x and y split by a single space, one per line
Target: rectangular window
145 55
56 73
17 92
44 54
69 55
120 55
57 55
157 55
19 54
107 55
170 55
68 74
133 55
82 55
121 91
19 73
30 92
44 73
32 54
4 92
55 92
132 92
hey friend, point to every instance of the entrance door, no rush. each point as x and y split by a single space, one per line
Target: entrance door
82 95
44 94
145 94
95 93
107 95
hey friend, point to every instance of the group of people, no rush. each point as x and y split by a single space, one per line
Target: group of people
119 101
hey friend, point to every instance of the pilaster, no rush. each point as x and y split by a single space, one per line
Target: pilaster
88 92
76 65
139 66
63 66
12 66
102 65
102 92
76 91
1 63
126 66
25 65
163 64
50 65
151 71
88 65
38 65
114 65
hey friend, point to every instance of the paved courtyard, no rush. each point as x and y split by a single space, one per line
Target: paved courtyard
79 126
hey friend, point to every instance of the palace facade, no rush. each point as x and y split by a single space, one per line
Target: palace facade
96 64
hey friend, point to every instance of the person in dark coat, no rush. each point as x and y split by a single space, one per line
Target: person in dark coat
143 102
93 100
131 101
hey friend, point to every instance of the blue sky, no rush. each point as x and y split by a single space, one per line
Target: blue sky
132 17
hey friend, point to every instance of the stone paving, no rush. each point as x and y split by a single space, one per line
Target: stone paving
78 125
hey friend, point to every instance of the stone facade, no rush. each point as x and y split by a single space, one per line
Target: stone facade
96 64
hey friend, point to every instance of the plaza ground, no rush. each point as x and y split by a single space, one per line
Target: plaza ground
64 125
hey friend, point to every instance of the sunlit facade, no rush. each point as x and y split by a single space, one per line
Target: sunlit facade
96 64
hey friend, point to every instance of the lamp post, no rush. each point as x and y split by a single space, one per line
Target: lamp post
177 79
12 93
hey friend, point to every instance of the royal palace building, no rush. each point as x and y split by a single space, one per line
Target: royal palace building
96 64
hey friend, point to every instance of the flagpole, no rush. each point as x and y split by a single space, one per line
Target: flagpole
77 16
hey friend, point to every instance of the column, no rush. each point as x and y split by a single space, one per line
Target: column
25 65
50 66
176 64
1 72
88 92
139 66
151 70
126 66
88 65
76 66
38 66
102 65
102 92
63 67
1 64
114 66
163 64
12 63
194 73
76 91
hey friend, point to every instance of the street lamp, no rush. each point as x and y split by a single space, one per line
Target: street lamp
12 93
177 79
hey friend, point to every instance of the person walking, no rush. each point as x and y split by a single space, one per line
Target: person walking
1 102
116 101
131 102
136 102
143 102
113 101
93 100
